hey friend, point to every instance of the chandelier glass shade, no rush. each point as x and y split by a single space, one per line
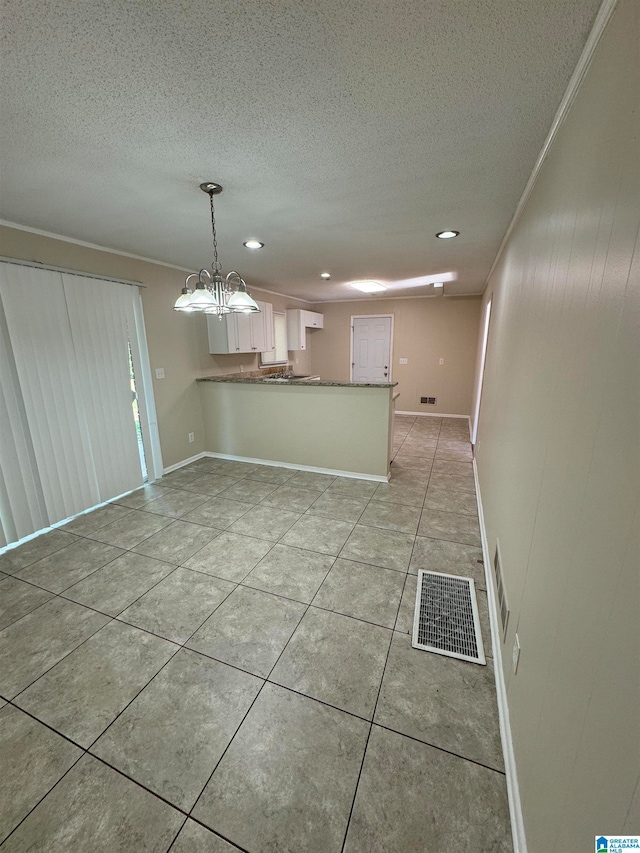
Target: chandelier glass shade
212 292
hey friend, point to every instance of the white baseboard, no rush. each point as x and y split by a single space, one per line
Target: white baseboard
184 462
354 475
513 791
431 415
57 524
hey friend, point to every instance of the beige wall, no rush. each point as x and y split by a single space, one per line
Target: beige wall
558 461
298 424
425 330
178 343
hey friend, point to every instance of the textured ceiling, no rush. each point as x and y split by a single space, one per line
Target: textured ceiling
345 132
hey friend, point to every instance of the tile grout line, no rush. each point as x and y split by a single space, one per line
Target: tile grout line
86 639
86 750
366 746
383 675
266 681
181 646
55 784
375 706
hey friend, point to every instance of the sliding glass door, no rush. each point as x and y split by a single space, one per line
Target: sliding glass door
68 438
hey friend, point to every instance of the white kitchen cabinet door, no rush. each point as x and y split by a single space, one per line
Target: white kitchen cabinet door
223 334
245 341
257 329
237 333
312 320
252 329
267 319
298 322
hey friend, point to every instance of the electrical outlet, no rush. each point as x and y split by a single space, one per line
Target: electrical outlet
159 372
441 361
242 368
404 361
516 654
192 436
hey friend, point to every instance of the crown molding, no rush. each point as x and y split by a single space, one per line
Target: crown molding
599 26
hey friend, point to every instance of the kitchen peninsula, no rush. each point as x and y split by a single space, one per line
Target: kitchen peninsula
339 427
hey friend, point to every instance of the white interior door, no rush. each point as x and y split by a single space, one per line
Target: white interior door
371 349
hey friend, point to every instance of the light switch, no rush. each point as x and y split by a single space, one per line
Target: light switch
404 361
159 372
441 361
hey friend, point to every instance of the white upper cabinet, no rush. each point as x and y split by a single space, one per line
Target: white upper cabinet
242 332
298 321
262 327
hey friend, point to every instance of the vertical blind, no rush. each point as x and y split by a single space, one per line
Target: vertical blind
67 433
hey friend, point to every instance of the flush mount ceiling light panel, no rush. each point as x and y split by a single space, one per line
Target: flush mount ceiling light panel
447 235
253 244
432 280
368 286
214 293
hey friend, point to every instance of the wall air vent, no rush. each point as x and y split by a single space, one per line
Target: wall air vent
430 401
503 607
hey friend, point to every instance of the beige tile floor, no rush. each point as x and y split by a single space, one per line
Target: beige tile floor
221 661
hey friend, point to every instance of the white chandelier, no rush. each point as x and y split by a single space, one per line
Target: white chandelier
213 293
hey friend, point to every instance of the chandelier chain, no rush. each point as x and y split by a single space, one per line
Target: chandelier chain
216 263
215 294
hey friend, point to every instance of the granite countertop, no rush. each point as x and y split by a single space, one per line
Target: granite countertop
260 380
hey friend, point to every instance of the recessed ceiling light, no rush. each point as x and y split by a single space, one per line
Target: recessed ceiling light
253 244
368 286
325 275
447 235
438 284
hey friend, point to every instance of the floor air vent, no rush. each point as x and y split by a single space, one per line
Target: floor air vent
446 617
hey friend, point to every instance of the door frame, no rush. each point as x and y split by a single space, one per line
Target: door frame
371 317
482 363
144 390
